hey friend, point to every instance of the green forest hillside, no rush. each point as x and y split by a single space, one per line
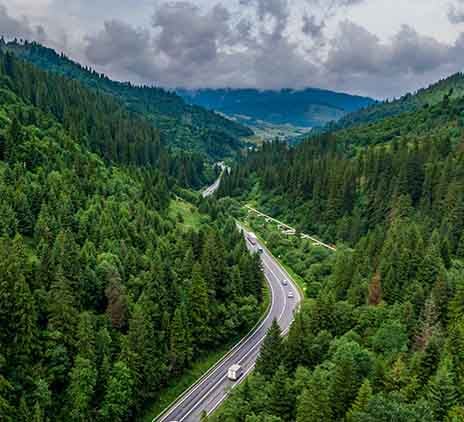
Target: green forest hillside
452 88
181 125
105 295
380 336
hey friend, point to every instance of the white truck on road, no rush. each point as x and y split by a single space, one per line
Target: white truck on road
235 372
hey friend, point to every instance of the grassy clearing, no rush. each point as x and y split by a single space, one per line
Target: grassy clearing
187 215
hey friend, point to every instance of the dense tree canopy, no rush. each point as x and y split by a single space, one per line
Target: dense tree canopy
379 337
181 126
104 295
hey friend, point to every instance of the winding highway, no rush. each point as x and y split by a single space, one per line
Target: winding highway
215 186
213 388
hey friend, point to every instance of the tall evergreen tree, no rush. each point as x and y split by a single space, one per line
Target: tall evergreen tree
442 392
270 355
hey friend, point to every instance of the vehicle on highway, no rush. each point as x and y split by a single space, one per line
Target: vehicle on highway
235 372
252 238
284 282
291 295
260 250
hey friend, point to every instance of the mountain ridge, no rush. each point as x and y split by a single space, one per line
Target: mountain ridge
306 107
451 87
181 125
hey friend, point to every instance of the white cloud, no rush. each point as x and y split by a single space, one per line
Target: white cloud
354 45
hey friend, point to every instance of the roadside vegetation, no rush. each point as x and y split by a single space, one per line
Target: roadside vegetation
306 262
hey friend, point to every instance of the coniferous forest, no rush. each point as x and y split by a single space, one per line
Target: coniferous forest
380 336
180 125
104 296
107 295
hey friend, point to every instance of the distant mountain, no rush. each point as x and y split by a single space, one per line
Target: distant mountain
452 88
304 108
182 125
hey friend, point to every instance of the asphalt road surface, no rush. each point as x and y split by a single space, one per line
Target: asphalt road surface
211 390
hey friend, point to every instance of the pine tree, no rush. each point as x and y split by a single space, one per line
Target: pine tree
442 392
199 307
103 358
81 389
361 401
144 353
456 304
270 355
280 398
180 342
62 314
315 404
116 406
445 252
297 349
432 265
86 336
14 139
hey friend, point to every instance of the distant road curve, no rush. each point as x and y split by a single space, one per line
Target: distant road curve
210 190
213 388
286 226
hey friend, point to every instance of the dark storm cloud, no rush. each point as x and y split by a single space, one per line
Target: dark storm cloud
117 41
312 28
356 50
188 36
11 27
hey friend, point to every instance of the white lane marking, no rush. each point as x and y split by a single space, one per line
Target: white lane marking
280 285
287 276
258 343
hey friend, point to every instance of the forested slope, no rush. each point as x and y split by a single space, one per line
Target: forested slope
381 335
451 87
99 121
103 296
181 125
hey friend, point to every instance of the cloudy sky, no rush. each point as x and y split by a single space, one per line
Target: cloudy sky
381 48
